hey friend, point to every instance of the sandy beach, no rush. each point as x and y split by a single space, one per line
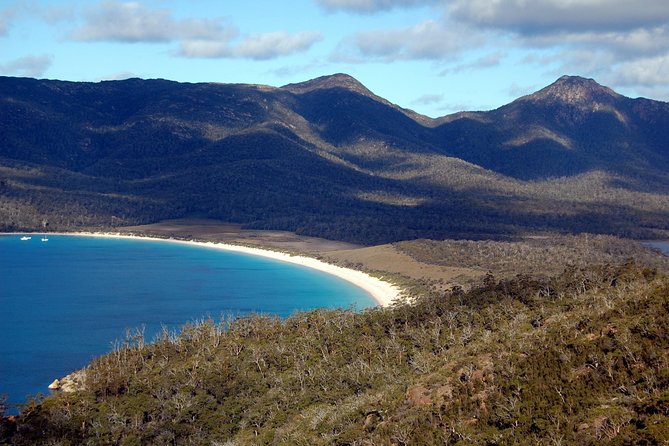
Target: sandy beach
384 293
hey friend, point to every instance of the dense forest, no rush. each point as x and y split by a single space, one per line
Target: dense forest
578 358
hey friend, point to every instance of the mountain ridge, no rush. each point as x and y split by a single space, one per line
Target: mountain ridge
328 157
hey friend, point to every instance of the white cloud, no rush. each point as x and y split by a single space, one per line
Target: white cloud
221 29
371 6
647 72
274 44
624 44
259 46
29 66
542 16
573 60
621 43
50 14
130 22
126 22
426 40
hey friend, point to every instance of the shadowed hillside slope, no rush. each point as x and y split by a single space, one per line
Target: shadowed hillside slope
327 157
570 127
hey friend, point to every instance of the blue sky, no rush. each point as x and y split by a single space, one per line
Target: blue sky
433 56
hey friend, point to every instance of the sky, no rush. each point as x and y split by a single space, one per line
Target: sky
432 56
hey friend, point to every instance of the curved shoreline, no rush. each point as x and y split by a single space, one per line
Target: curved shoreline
383 293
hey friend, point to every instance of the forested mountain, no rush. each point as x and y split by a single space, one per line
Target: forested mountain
570 127
328 157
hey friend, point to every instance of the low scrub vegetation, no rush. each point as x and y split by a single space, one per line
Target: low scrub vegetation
540 255
580 358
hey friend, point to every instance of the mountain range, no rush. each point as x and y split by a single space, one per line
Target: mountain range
328 157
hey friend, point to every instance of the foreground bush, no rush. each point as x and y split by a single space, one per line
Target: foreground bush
582 358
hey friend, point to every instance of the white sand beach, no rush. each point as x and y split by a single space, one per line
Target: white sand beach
384 293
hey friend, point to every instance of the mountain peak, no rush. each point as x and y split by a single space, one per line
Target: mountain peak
338 80
347 82
574 90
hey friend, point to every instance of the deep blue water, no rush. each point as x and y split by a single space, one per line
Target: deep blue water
65 301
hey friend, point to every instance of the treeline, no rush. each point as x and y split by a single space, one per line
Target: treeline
580 358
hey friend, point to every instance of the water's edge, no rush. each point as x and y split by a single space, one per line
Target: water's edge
20 348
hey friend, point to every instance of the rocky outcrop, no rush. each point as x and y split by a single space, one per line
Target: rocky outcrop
70 383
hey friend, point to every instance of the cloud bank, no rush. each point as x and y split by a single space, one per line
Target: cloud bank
372 6
621 42
260 46
131 22
546 16
428 40
29 66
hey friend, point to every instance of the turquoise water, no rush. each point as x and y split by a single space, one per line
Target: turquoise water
65 301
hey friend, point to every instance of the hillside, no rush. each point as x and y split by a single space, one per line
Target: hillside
570 127
580 358
329 158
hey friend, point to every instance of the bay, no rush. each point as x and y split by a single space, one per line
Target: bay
65 301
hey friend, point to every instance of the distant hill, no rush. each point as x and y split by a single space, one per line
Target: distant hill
570 127
328 157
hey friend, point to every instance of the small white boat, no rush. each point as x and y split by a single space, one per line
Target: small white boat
25 237
45 238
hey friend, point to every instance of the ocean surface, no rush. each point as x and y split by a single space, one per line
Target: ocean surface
65 301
